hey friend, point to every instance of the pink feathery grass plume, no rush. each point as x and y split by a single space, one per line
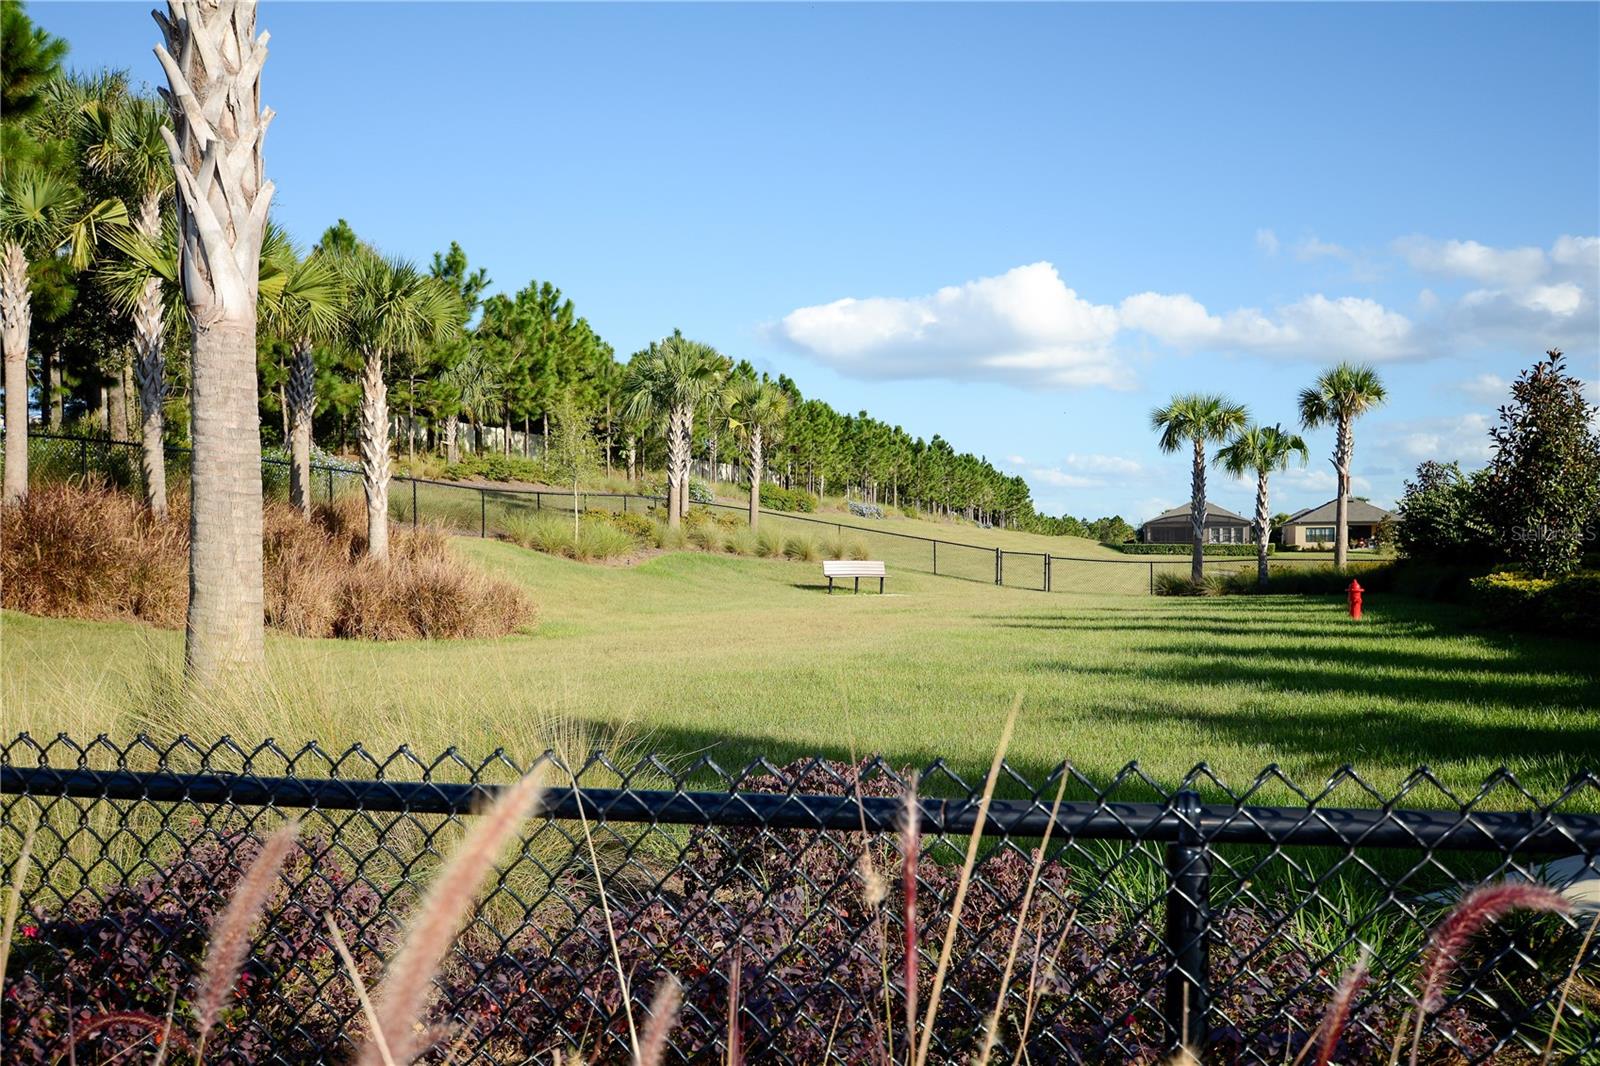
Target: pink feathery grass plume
663 1012
910 856
1481 907
1337 1015
230 932
408 978
735 1031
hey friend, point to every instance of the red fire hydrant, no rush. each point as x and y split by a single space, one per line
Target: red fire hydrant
1353 593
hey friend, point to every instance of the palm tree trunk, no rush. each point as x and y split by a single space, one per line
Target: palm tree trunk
302 396
452 450
1263 528
687 460
223 203
677 465
54 396
1341 508
16 318
375 454
150 370
117 399
633 455
1197 512
755 476
224 624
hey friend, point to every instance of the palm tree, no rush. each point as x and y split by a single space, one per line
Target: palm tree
757 411
302 301
1261 450
391 310
223 196
41 213
121 141
1197 418
1341 395
664 385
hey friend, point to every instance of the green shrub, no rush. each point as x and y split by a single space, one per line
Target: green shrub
778 498
706 536
908 510
729 519
1220 550
743 541
669 539
769 544
1172 583
496 467
636 525
802 549
837 547
700 491
1517 600
602 540
551 533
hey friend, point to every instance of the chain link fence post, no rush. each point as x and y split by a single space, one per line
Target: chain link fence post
1188 928
483 514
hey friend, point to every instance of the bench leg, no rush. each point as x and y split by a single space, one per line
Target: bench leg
880 586
858 584
830 586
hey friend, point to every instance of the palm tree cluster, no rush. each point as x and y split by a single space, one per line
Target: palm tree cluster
1340 395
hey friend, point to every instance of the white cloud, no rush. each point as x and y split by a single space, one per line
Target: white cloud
1119 465
1489 387
1308 328
1469 259
1463 438
1525 293
1061 479
1579 253
1024 325
1311 248
1016 460
1029 328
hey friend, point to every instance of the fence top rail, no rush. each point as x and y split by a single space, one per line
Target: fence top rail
1523 831
360 780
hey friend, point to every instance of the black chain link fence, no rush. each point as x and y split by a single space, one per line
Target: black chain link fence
489 511
1163 911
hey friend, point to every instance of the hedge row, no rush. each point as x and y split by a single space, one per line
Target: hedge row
778 498
1185 549
1568 605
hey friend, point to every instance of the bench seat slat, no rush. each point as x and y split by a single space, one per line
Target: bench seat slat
852 568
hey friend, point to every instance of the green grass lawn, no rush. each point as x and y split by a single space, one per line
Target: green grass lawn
690 653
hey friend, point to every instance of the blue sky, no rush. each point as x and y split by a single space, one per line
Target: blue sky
1018 226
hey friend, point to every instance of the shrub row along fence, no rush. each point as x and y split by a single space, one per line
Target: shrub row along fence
1158 914
488 511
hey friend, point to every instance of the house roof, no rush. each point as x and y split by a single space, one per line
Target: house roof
1212 511
1361 512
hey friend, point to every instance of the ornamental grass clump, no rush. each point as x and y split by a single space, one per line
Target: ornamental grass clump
93 551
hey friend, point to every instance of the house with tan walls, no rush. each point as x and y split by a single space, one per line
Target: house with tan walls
1315 525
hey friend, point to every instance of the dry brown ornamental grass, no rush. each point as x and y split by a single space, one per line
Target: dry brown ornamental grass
94 552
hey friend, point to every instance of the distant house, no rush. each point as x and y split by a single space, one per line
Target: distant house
1173 527
1315 525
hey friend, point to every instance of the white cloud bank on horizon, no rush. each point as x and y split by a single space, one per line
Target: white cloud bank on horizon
1027 327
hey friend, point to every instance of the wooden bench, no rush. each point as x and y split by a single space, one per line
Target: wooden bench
856 568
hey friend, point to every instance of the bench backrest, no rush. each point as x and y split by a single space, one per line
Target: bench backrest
853 568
